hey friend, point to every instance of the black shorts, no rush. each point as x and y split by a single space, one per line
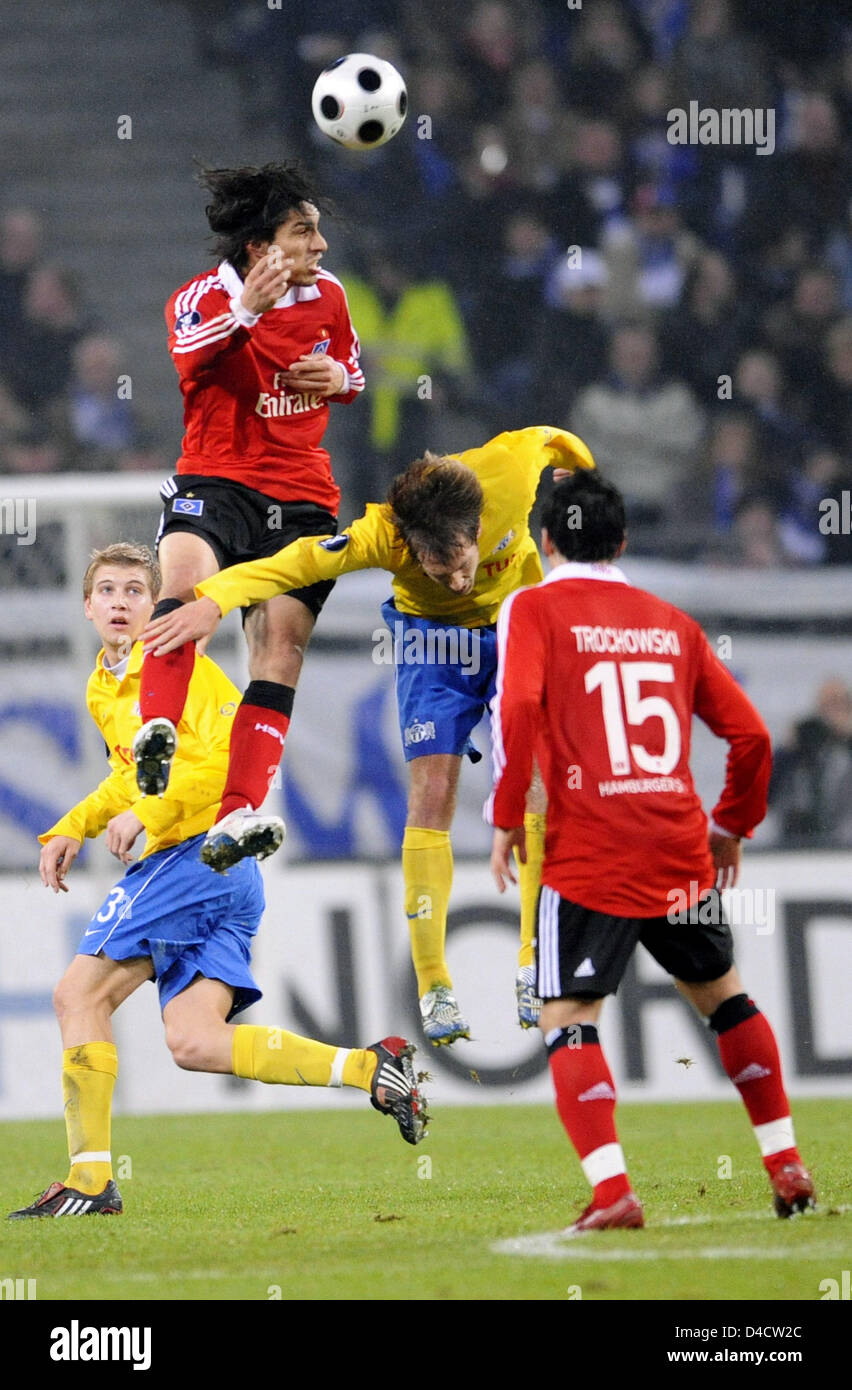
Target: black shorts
241 524
582 954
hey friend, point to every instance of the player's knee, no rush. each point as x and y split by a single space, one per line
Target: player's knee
187 1049
63 999
69 998
432 802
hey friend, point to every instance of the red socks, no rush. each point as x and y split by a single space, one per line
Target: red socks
165 679
257 743
585 1100
750 1056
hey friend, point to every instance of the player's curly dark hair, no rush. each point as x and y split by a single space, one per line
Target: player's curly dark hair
436 504
585 517
250 204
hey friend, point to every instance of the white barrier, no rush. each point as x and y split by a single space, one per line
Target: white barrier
332 959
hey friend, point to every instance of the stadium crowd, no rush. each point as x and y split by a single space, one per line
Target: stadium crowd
533 246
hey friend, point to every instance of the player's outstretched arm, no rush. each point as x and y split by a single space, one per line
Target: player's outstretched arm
56 859
189 623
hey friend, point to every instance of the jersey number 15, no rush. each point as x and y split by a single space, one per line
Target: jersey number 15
604 676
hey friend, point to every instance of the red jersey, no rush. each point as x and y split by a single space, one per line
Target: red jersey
240 421
600 681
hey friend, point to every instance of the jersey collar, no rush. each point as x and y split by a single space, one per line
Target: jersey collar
581 569
234 286
133 667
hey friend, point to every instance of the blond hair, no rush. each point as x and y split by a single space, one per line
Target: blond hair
126 553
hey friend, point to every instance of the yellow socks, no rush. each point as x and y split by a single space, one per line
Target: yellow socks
529 880
285 1059
88 1080
427 869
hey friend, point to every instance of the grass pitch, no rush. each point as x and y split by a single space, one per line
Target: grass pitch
334 1206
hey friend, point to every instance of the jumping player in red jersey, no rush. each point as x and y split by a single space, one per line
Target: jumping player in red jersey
599 681
262 344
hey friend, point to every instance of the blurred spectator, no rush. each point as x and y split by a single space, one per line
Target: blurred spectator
821 476
602 179
21 238
643 431
101 422
651 153
37 366
796 329
733 469
415 351
34 449
572 340
653 249
705 333
604 53
491 50
538 128
811 788
505 322
716 65
831 417
807 185
756 540
759 382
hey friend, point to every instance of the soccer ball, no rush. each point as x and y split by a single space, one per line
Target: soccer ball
360 101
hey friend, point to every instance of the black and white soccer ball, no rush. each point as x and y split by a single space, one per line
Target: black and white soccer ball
360 101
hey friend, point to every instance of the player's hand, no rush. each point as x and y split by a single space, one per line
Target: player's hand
185 624
560 473
315 373
726 851
121 834
56 859
266 282
502 864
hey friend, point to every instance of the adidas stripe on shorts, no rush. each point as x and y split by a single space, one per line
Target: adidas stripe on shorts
583 954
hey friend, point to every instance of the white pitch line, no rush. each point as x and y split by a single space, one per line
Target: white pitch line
555 1246
559 1245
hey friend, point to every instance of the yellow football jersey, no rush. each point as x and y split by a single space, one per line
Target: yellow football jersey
508 467
199 769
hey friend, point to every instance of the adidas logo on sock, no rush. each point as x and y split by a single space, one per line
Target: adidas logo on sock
602 1091
584 968
753 1072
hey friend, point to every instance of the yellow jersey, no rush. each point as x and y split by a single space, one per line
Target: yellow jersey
199 770
508 467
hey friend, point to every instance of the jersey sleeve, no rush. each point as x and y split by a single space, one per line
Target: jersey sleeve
346 349
370 542
110 797
725 708
90 816
195 784
547 446
204 325
516 708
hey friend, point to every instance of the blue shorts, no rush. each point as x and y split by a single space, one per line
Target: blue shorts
445 681
187 919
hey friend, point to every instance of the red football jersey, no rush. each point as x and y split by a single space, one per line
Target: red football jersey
600 681
240 421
